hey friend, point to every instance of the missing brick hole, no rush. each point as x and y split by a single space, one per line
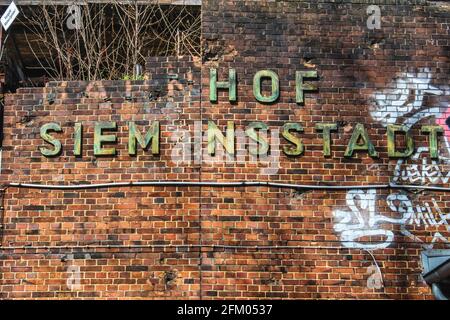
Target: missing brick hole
376 43
156 94
272 281
212 53
170 277
416 192
345 125
51 97
128 97
214 50
299 194
341 123
308 62
27 119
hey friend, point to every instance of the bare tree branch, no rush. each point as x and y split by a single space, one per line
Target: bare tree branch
111 38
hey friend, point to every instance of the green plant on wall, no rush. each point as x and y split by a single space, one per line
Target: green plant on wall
132 77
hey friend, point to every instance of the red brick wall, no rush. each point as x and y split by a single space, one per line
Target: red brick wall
239 242
153 221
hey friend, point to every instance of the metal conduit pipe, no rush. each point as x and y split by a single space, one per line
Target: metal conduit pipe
189 184
439 275
213 184
437 292
254 247
166 246
220 184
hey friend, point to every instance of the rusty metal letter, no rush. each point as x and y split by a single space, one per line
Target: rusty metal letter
432 139
214 85
152 136
50 139
99 138
257 86
299 148
326 129
392 129
360 133
214 133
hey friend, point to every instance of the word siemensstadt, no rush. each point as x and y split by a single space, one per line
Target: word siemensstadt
359 140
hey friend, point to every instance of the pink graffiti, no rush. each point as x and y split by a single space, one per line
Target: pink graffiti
444 121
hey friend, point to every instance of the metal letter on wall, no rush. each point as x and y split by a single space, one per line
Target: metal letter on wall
300 86
326 129
392 152
360 133
253 134
230 85
299 148
78 138
151 136
50 139
433 139
257 86
214 133
99 138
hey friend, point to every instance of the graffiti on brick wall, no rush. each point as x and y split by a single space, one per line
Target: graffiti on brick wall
421 170
402 103
405 95
362 220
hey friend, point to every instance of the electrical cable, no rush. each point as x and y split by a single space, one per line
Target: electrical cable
219 184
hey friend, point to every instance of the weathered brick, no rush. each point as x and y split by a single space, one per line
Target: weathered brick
258 242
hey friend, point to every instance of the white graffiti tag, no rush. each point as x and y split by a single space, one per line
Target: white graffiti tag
428 214
422 171
403 102
403 96
363 221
